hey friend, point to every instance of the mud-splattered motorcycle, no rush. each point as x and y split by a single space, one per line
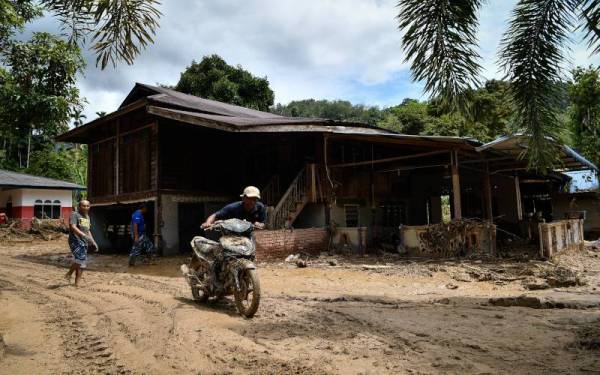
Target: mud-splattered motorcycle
225 266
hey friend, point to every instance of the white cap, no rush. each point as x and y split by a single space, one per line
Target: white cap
251 192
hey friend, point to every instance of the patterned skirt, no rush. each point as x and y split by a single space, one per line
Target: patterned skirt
79 249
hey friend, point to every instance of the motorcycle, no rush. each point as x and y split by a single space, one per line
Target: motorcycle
225 266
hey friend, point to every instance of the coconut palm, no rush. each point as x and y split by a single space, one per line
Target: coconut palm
441 45
118 29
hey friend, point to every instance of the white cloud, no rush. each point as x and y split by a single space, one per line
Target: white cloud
308 49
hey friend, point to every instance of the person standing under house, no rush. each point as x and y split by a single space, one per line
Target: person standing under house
80 238
141 241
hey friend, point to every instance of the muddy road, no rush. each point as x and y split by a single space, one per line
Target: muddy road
367 316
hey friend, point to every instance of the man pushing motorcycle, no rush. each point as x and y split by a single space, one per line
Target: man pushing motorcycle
249 209
224 265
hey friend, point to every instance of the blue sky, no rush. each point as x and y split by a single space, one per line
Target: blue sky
324 49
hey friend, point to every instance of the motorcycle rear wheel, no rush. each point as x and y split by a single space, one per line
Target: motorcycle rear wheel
250 288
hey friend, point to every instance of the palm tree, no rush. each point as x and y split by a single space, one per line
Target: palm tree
441 45
78 117
118 30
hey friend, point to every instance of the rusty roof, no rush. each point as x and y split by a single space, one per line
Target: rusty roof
172 98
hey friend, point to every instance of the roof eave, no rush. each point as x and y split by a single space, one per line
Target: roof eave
42 187
71 135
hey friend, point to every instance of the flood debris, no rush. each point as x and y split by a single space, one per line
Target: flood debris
464 237
16 231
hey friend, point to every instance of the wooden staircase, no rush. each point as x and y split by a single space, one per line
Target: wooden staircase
301 191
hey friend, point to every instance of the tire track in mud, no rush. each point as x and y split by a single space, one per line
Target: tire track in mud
128 294
84 352
67 309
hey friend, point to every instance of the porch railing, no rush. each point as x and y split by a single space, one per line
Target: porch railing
271 192
292 200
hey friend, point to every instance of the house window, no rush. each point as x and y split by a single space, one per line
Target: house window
38 209
351 212
46 209
56 209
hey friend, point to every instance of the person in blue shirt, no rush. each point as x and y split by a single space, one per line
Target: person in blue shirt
249 209
141 241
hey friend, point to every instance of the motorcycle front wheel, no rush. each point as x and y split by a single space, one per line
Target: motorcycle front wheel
248 298
199 294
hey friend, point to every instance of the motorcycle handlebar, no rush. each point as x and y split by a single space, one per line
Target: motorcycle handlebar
253 226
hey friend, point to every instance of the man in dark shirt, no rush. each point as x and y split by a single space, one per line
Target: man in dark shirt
249 209
141 242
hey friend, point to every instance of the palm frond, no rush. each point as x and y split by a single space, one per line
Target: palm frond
532 55
75 16
440 44
590 16
126 27
119 29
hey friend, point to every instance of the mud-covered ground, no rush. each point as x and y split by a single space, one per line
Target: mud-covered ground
361 316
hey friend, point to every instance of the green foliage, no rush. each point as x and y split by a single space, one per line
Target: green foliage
13 16
439 40
62 164
410 117
340 110
585 112
490 114
212 78
38 95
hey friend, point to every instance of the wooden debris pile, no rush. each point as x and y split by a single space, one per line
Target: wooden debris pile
15 230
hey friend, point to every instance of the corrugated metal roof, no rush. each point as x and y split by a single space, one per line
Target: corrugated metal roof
175 98
276 124
516 144
14 179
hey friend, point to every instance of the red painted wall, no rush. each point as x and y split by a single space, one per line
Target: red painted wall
24 213
65 212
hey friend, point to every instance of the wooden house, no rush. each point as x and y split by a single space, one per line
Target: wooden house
189 156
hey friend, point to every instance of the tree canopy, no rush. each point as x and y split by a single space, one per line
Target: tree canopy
341 110
584 93
440 41
38 95
490 114
212 78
